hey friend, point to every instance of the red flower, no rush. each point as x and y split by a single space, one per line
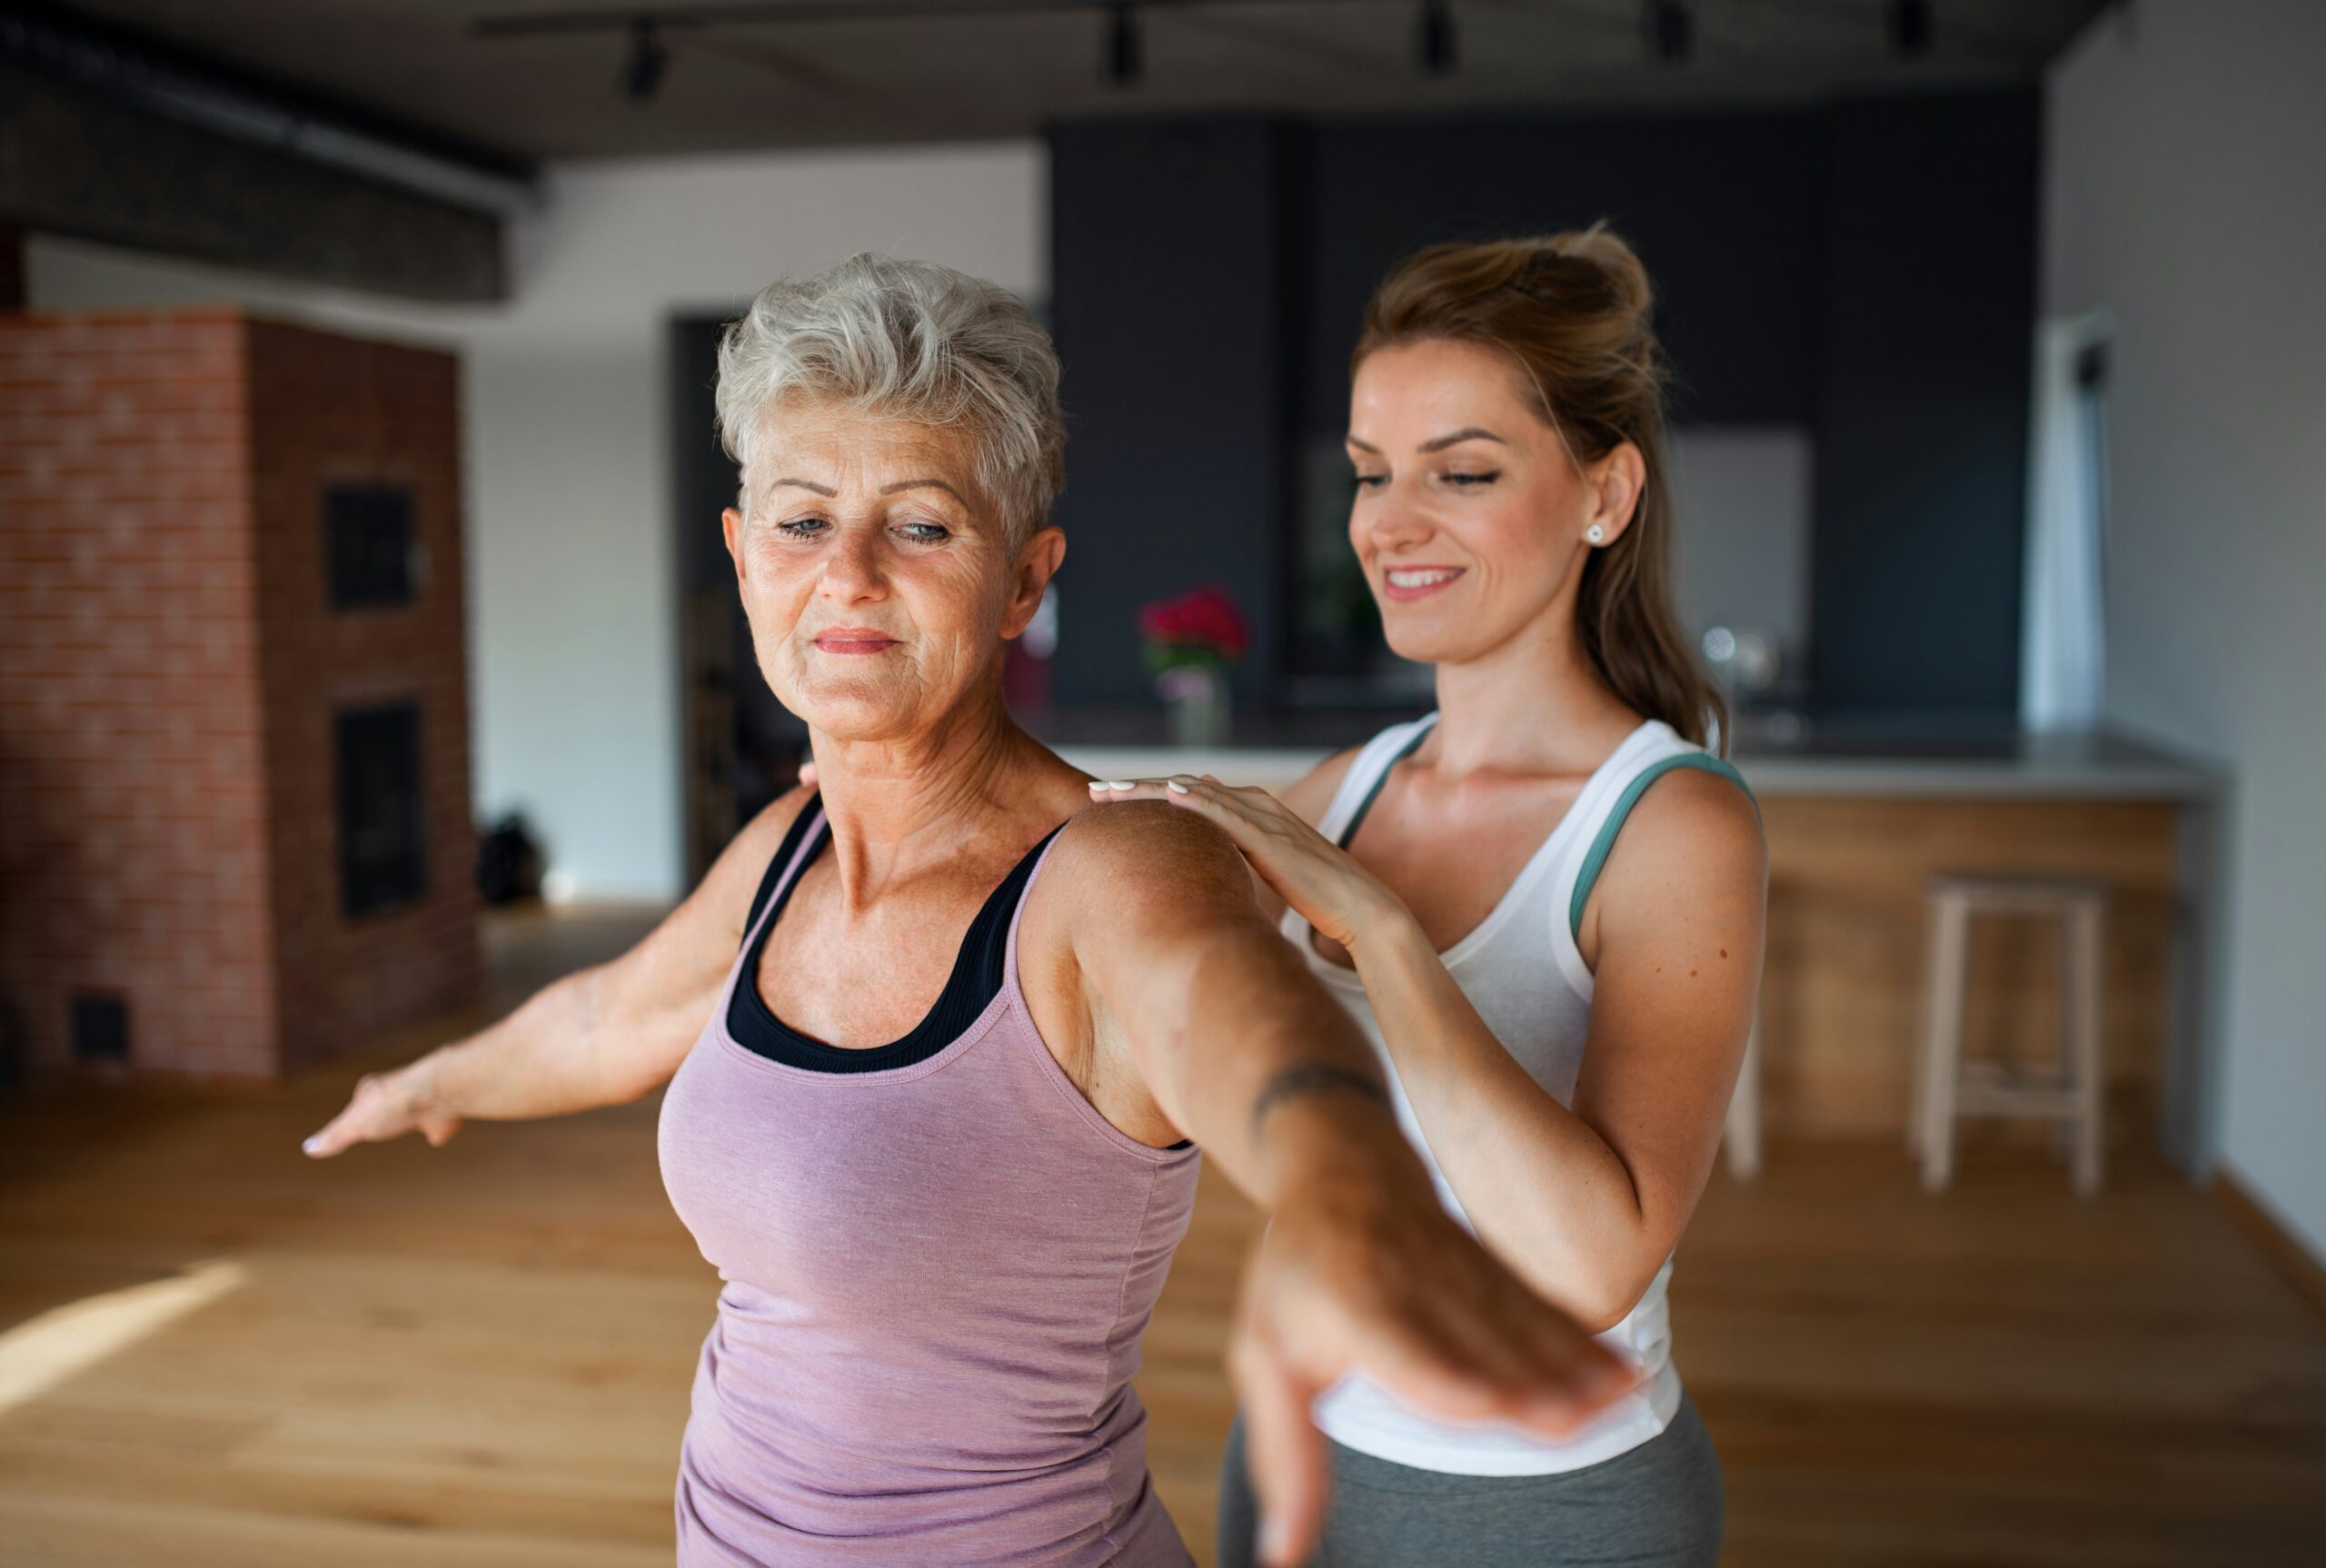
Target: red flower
1206 617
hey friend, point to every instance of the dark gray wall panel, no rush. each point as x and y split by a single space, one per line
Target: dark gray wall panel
1169 271
1726 210
1928 312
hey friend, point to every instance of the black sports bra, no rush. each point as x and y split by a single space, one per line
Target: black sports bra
975 981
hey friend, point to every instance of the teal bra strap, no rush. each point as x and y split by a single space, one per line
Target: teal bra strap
1380 778
1704 761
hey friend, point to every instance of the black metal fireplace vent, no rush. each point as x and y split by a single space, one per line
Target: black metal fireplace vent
383 852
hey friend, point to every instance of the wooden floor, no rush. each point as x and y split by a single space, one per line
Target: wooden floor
216 1354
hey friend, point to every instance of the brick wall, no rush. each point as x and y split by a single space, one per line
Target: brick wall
324 410
169 672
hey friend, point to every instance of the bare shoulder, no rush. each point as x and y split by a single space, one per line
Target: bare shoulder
1692 828
1129 886
1312 797
1133 853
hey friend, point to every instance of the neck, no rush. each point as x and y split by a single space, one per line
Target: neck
895 804
1534 702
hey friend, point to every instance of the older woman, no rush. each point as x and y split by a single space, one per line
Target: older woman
935 1033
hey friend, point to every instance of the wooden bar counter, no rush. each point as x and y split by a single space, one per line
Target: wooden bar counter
1858 818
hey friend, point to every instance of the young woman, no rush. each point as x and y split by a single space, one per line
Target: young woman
1542 902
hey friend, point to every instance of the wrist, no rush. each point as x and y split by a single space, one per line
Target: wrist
1382 924
428 1087
1345 1149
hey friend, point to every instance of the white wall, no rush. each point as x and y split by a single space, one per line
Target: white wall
2185 196
573 677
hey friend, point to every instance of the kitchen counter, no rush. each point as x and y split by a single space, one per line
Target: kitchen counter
1778 757
1860 815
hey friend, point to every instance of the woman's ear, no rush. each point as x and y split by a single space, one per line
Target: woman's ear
731 524
1038 562
1616 481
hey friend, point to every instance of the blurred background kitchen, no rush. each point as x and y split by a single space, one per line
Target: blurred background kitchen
369 656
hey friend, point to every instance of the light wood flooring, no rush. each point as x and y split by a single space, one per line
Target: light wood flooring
216 1354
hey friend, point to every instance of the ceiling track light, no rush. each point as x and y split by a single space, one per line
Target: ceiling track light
641 74
1671 30
1435 46
1122 45
1910 27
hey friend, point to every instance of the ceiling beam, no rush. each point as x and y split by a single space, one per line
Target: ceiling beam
79 163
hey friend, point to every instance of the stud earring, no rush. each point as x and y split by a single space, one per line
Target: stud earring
1594 533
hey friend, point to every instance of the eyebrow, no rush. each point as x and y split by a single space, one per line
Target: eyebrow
1439 444
931 483
885 490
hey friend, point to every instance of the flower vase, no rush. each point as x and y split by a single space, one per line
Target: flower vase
1196 696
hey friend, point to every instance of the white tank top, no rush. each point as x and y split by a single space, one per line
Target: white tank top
1521 970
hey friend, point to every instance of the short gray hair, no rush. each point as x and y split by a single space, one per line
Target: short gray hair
915 340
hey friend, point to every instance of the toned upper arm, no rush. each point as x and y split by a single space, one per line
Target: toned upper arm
1155 904
1672 932
652 1001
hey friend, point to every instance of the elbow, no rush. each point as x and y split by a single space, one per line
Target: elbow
1598 1304
1598 1293
1601 1311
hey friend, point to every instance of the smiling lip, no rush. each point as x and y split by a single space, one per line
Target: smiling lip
1420 581
854 640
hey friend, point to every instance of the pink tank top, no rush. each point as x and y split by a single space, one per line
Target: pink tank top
937 1260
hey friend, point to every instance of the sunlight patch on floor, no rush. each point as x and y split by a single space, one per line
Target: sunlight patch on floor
38 1355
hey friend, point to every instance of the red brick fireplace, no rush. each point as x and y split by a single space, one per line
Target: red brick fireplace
234 811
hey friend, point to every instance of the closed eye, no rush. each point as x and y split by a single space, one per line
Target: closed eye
1371 480
1466 481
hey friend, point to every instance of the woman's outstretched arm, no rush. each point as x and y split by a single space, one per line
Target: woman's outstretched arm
1190 988
1587 1203
598 1036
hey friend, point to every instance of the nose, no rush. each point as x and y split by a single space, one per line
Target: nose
1394 522
853 571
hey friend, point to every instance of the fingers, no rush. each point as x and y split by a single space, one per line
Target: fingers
1573 1391
372 1115
1437 1369
1184 787
1531 1367
1238 810
1474 1345
1179 788
1286 1453
335 1136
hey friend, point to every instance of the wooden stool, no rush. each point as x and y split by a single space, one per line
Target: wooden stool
1740 1135
1945 1086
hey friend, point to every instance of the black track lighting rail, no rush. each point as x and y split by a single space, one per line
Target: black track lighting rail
776 13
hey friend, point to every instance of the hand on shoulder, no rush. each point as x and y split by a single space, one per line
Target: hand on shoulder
1145 858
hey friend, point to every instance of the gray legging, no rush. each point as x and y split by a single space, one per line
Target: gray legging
1658 1506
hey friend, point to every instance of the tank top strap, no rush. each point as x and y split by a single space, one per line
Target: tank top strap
783 867
1654 750
1368 771
1017 913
